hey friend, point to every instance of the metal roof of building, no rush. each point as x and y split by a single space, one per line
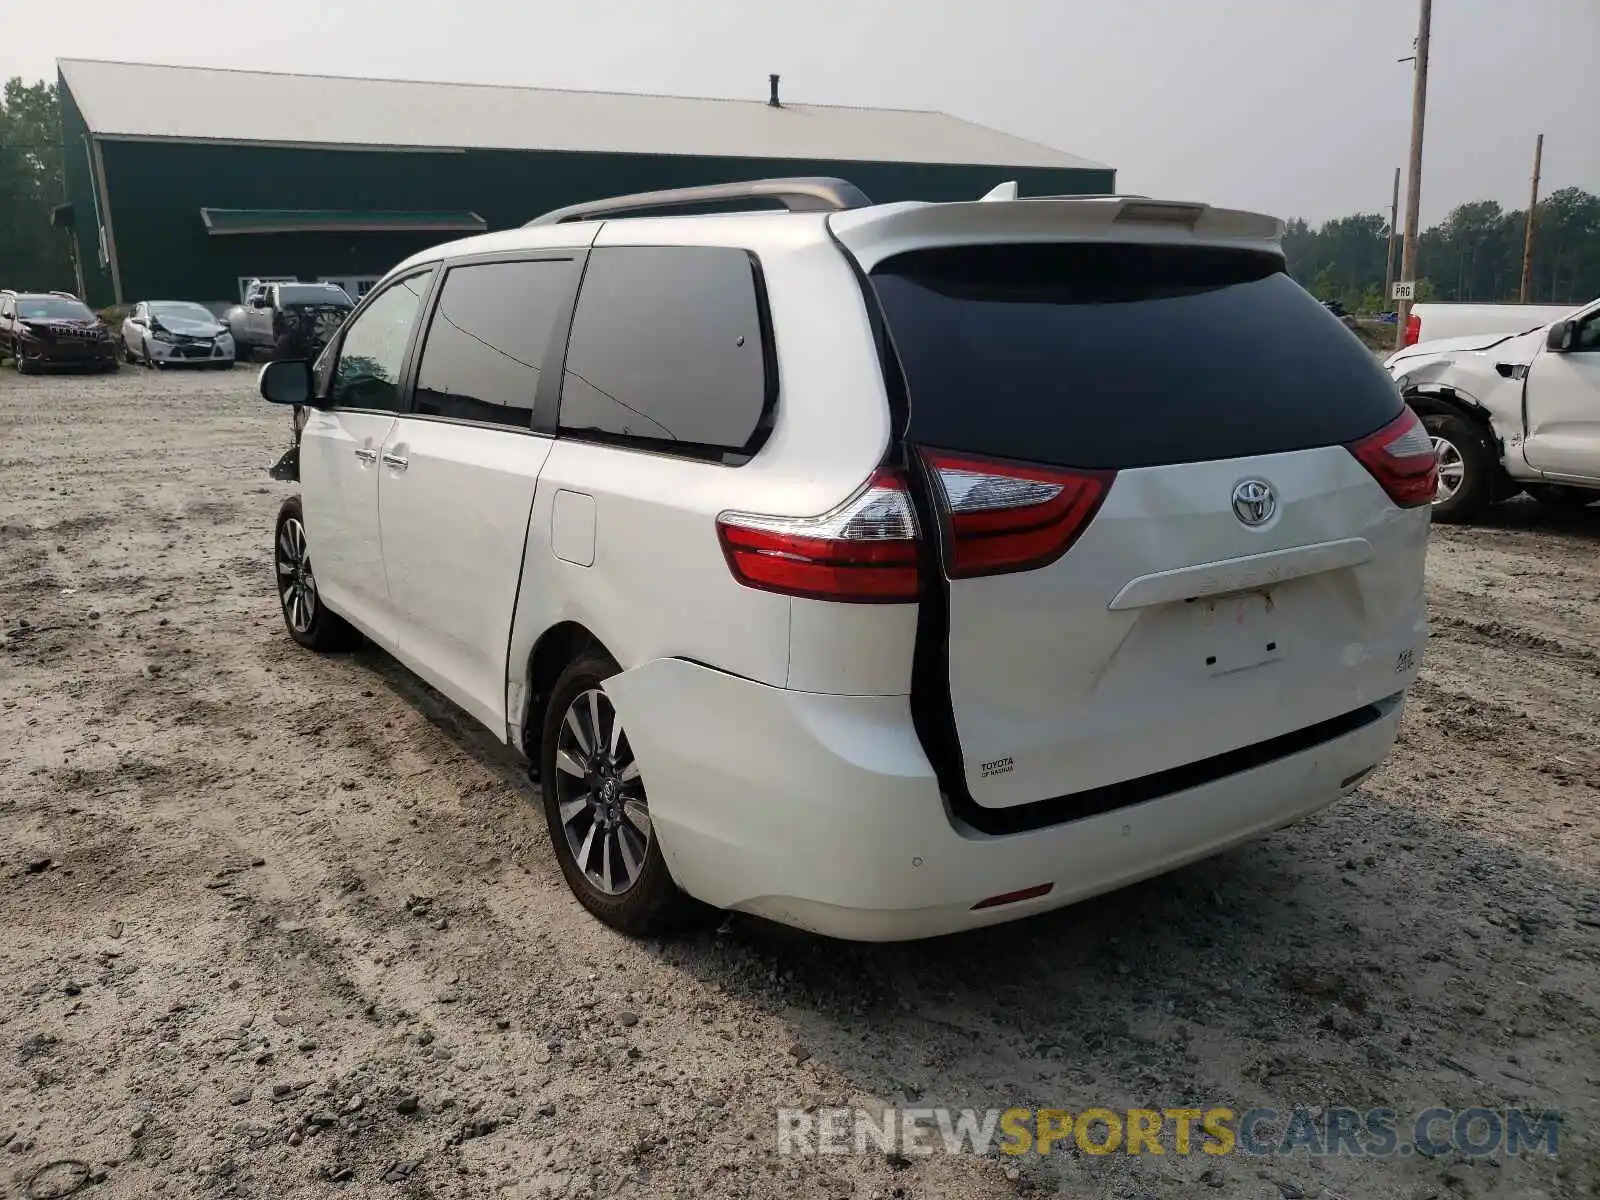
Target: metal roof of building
226 222
149 101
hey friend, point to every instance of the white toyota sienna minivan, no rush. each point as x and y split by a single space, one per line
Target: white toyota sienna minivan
883 570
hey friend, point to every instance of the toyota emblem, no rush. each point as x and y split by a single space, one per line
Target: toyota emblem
1254 502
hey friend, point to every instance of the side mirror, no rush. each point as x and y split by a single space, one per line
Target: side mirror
1560 336
286 381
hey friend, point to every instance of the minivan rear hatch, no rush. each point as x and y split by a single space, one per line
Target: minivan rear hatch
1176 504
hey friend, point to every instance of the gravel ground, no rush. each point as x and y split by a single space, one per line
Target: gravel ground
275 925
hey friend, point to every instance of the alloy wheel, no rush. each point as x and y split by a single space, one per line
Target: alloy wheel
297 587
1452 469
600 795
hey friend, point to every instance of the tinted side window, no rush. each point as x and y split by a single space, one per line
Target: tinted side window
367 374
667 351
488 338
1588 333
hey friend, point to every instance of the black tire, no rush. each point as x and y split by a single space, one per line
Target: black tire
127 353
650 903
304 615
1560 496
22 365
1462 444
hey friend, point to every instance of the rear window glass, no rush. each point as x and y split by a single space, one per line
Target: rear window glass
1107 356
290 293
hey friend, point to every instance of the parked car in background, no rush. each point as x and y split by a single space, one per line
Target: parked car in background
287 320
1510 414
1431 321
53 330
703 514
162 333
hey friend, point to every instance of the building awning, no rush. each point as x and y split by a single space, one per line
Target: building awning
229 221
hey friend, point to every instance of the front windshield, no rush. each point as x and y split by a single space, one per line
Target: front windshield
181 310
52 308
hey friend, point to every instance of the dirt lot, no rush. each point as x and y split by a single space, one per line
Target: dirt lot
273 924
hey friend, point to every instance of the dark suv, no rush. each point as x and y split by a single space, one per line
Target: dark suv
53 329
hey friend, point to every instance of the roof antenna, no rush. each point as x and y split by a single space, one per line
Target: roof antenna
773 102
1004 191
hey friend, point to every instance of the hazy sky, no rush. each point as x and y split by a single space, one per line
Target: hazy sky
1294 107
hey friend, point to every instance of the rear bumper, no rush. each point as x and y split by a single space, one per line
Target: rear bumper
822 812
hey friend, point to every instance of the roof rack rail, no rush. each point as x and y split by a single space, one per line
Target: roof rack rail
811 194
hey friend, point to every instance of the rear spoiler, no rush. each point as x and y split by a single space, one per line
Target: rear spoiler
874 234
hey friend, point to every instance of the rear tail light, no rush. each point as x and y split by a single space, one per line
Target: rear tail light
1007 517
1413 329
864 551
1401 458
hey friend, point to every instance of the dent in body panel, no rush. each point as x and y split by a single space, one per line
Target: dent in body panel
1491 381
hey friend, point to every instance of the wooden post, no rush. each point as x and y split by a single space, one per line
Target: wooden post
1532 225
1394 231
1419 108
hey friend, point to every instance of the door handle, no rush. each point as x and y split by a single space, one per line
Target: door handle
391 459
367 454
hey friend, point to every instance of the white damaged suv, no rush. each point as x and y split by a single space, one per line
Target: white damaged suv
881 570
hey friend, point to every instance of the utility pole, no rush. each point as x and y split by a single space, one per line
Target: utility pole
1394 232
1533 222
1419 108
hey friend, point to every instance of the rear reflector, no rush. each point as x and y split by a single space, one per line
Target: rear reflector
1400 456
863 552
1032 893
1413 329
1003 516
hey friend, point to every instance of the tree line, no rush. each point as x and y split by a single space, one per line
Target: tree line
1474 254
32 254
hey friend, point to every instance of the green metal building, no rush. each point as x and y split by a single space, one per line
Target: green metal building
184 183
